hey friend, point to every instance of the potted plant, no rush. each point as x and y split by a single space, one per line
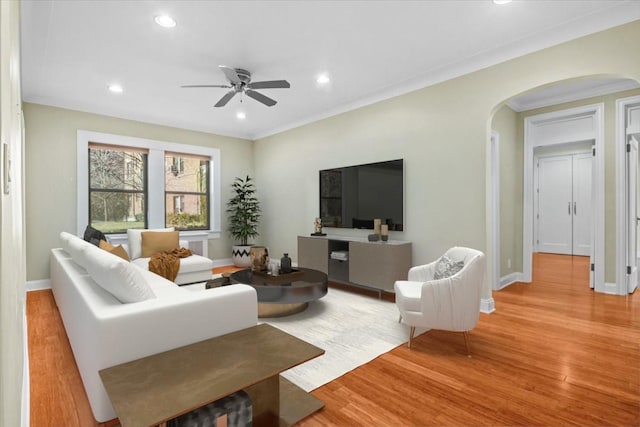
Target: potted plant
244 215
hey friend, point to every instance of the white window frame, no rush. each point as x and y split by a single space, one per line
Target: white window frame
155 180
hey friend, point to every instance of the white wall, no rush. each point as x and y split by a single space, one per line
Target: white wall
12 249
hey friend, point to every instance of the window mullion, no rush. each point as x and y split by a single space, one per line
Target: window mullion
155 169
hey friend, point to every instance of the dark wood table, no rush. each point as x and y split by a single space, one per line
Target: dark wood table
283 294
152 390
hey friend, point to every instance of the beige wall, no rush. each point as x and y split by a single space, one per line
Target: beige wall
51 173
609 102
511 159
442 132
13 384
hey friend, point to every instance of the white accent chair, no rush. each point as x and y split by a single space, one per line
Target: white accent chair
450 303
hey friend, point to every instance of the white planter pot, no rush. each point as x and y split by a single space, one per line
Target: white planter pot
240 255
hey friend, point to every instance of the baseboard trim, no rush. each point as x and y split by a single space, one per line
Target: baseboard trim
611 289
223 262
38 285
510 279
487 305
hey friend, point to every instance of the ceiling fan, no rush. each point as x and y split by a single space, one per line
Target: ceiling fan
240 82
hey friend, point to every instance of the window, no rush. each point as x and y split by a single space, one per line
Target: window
186 191
178 203
117 188
176 166
126 182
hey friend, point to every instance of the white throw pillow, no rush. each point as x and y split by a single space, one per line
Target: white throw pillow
135 240
446 267
116 276
74 246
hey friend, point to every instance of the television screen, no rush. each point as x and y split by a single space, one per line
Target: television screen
352 196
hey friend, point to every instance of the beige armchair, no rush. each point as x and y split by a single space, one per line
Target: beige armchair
444 294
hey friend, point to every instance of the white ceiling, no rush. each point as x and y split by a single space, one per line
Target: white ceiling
373 50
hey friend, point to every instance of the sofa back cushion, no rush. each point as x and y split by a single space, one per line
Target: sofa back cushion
159 241
135 240
120 278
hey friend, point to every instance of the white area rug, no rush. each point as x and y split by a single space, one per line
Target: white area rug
351 328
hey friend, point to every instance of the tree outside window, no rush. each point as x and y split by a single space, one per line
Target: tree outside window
186 191
117 188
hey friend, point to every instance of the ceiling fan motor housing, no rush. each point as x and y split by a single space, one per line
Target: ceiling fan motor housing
243 75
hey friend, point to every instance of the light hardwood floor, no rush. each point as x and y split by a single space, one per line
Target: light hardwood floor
553 353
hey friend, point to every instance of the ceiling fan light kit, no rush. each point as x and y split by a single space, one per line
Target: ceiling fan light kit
240 82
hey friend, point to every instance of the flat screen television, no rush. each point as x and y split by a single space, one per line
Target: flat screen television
352 196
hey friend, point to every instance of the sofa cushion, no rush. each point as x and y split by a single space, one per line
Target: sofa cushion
121 279
115 250
446 267
159 241
135 240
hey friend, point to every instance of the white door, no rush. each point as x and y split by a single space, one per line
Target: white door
581 208
555 208
632 215
565 205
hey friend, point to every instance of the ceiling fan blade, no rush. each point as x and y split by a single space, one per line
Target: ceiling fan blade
230 73
271 84
260 98
188 86
226 98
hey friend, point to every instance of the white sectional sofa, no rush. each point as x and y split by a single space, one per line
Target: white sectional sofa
104 331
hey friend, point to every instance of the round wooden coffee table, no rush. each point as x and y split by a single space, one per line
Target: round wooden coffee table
284 294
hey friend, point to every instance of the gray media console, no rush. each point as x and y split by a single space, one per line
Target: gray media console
356 261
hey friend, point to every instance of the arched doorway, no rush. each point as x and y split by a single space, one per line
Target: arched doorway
513 230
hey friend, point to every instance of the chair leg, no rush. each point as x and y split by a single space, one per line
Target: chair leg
466 342
411 333
400 318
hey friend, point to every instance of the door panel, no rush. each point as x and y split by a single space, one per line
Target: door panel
582 172
632 215
554 205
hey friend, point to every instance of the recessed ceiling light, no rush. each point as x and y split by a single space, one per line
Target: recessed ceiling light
165 21
241 116
115 88
501 1
323 79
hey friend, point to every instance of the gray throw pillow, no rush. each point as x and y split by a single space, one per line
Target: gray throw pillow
446 267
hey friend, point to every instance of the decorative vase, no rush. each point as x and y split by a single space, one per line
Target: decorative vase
259 258
376 225
285 264
240 254
384 232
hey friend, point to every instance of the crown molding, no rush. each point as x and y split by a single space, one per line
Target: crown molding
523 103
